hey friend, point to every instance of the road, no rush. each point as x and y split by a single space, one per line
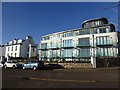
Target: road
63 78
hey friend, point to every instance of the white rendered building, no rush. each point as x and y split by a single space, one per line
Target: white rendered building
19 48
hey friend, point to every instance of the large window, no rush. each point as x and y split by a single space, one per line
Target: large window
93 31
43 53
54 44
54 53
104 52
87 25
44 46
68 43
83 42
103 40
68 53
87 31
102 30
46 38
84 52
68 34
81 32
97 23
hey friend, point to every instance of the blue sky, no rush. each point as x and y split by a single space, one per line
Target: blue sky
37 19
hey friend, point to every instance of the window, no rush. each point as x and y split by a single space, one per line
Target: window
93 31
86 31
103 40
84 52
54 44
54 53
68 34
77 33
11 54
8 48
112 29
81 32
44 46
68 43
87 25
102 30
46 38
97 23
12 49
68 53
93 24
44 54
15 54
83 42
104 52
16 48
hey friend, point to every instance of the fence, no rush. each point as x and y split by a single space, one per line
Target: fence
107 61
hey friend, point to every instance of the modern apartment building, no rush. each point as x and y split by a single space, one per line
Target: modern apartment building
96 38
21 48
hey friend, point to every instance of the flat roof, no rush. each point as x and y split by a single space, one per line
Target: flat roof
95 19
76 30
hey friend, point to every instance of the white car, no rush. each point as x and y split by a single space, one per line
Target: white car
13 64
1 65
10 64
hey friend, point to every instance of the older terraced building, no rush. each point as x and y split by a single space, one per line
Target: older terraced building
96 38
21 48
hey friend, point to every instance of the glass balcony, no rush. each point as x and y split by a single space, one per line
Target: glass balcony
83 45
103 41
104 44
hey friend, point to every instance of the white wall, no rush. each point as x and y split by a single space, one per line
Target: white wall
14 51
32 51
22 48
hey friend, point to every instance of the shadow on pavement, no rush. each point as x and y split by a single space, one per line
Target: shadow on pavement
53 66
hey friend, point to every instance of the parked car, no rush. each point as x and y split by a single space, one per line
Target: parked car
12 64
1 65
33 64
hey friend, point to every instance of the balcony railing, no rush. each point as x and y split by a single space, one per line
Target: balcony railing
83 45
107 44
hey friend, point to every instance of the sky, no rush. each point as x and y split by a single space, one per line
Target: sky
36 19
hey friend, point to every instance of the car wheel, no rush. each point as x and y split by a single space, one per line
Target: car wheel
5 66
23 67
34 68
13 67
